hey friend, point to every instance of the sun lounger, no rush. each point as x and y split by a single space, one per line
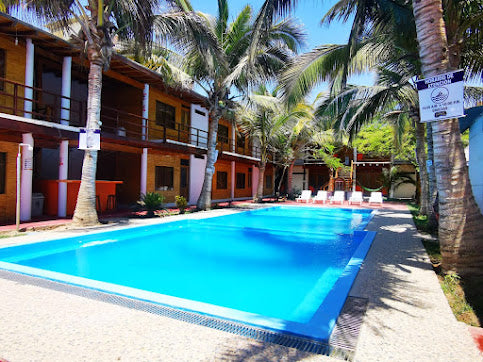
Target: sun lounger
305 197
356 198
376 198
339 196
322 196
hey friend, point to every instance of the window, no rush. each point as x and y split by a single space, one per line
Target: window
3 62
165 115
164 178
250 177
185 118
268 181
3 167
221 180
223 133
240 141
240 180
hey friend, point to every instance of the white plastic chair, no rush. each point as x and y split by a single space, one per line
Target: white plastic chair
321 196
356 198
376 198
339 196
306 196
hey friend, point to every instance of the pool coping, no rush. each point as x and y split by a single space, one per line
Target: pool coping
318 329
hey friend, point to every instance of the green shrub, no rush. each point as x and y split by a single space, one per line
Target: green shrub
151 201
181 204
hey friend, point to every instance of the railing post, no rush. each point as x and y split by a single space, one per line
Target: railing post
197 137
164 136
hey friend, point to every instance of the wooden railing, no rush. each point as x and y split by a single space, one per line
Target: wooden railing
230 145
48 106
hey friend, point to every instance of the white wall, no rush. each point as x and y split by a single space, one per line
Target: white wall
197 165
476 160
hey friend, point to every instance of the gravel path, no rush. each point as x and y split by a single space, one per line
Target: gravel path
408 318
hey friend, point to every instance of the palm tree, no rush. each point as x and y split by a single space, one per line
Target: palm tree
98 24
266 120
458 229
461 223
225 59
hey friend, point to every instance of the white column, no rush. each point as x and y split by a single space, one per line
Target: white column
144 171
26 178
233 140
232 180
66 88
354 170
63 175
29 78
145 111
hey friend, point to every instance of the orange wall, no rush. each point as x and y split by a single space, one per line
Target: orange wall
7 200
168 160
247 191
217 194
268 190
156 132
14 71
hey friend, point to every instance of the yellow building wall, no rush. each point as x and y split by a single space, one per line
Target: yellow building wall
14 71
157 132
7 199
167 160
218 194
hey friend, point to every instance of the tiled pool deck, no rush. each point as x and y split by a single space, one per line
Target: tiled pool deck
408 317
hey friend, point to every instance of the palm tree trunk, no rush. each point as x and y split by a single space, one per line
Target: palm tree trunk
461 223
204 201
261 175
284 169
85 209
433 191
290 179
424 199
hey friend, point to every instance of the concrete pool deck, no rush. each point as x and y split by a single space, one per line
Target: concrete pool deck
408 317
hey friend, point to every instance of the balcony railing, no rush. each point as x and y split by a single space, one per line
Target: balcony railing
49 106
230 145
45 105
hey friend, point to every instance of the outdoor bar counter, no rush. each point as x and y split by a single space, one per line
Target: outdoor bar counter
104 189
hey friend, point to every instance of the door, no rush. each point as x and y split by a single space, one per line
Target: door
184 179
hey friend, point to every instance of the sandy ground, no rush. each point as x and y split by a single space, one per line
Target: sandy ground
408 317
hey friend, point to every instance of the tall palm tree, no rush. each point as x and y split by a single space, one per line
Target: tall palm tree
225 59
266 119
458 211
98 22
461 222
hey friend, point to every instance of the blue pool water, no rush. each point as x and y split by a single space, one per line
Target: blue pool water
282 268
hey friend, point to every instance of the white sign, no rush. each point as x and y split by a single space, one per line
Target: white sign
441 96
90 139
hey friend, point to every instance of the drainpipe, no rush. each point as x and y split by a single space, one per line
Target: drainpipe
29 79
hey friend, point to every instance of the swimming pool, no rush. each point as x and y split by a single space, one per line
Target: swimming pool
284 269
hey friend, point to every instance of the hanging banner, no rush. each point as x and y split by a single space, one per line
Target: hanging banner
90 139
441 96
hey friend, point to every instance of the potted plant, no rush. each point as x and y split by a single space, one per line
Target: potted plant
151 201
181 203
